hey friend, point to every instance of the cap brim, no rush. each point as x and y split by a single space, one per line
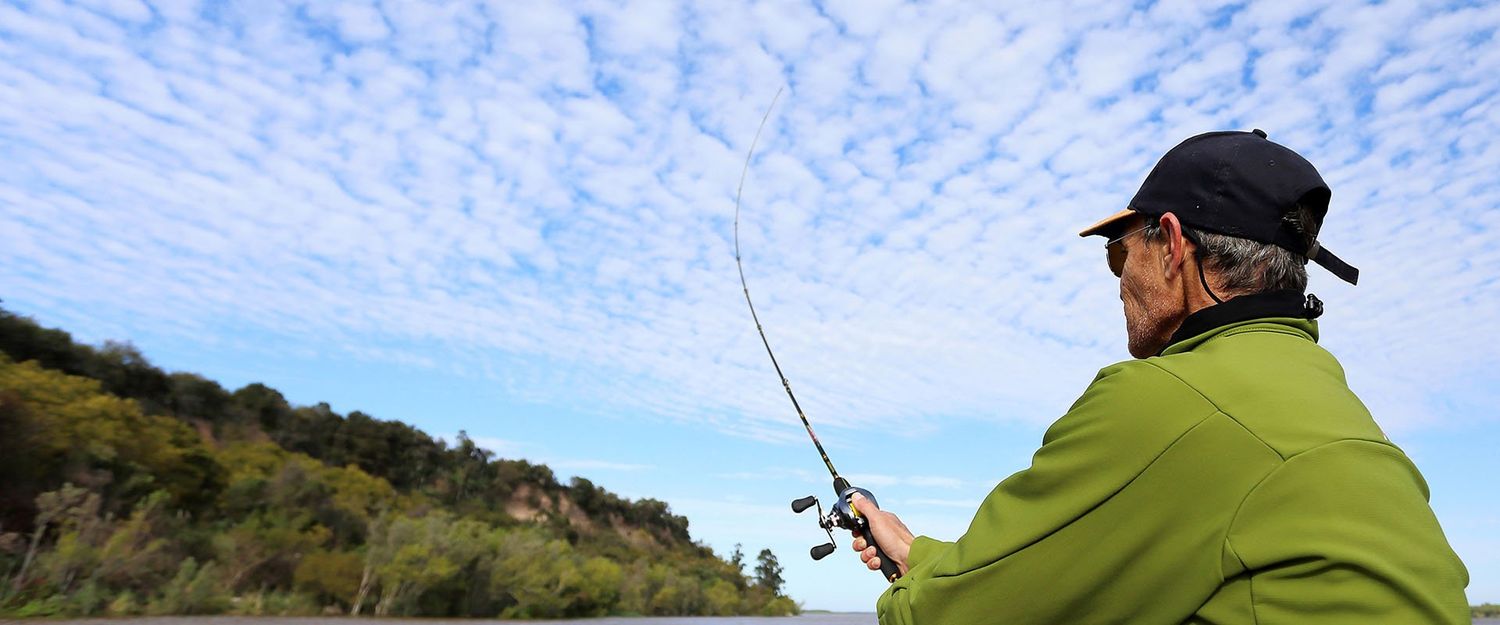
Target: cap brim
1108 223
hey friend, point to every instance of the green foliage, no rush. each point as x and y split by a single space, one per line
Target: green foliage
118 366
1488 610
131 491
768 572
124 604
722 598
275 603
780 605
53 605
331 576
737 559
71 431
136 554
193 590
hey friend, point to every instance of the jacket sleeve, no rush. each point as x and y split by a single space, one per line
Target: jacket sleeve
923 549
1343 534
1052 543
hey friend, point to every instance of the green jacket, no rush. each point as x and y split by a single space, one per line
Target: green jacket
1232 479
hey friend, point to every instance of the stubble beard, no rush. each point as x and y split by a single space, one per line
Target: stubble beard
1149 322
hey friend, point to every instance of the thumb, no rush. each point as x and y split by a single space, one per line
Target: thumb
863 504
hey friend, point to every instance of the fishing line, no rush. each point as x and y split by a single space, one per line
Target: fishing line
746 287
843 515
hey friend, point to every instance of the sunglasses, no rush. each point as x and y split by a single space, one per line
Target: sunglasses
1114 251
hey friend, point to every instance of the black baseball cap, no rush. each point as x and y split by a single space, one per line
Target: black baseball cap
1239 184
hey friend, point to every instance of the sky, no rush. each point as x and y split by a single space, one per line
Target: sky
515 219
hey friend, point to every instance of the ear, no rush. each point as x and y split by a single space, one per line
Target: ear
1177 246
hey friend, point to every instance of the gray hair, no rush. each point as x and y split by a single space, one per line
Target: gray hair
1245 267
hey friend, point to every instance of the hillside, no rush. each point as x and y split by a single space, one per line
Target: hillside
125 489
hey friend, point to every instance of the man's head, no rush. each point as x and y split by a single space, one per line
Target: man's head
1221 215
1160 283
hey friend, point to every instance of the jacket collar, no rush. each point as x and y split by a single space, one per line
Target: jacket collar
1285 307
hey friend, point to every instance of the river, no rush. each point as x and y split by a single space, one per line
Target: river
822 618
841 618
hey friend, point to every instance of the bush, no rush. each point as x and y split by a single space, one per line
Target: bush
275 604
126 604
132 491
192 591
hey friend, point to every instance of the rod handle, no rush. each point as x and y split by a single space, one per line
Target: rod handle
888 568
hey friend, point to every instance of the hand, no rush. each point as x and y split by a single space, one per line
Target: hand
890 532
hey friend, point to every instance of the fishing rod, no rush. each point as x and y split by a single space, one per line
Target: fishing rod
843 515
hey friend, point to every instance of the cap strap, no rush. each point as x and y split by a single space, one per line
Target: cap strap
1335 265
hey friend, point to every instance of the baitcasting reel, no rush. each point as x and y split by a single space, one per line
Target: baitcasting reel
845 516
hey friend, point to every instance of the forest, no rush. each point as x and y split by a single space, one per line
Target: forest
129 490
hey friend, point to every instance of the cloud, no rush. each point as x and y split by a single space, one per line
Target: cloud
919 481
544 194
871 480
541 195
511 449
596 465
961 504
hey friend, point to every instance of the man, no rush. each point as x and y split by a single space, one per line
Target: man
1228 475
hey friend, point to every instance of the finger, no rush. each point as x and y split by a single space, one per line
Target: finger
859 544
873 563
868 553
862 503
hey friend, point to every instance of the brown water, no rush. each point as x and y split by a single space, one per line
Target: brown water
863 618
843 618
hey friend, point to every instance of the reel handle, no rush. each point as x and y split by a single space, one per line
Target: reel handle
888 568
798 505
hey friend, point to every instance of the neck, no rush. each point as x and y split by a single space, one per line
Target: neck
1195 297
1196 289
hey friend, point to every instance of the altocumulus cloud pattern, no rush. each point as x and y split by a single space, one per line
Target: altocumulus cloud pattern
541 192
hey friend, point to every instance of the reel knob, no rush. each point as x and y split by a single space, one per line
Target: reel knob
798 505
821 551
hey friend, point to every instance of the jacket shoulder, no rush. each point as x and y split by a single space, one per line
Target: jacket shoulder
1139 389
1278 384
1130 414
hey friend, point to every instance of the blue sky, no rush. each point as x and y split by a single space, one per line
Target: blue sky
514 219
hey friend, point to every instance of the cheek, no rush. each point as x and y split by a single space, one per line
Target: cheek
1140 283
1133 292
1142 300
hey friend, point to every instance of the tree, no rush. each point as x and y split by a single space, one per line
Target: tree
331 575
737 558
130 491
722 598
125 372
266 404
768 572
53 506
192 591
194 396
103 441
